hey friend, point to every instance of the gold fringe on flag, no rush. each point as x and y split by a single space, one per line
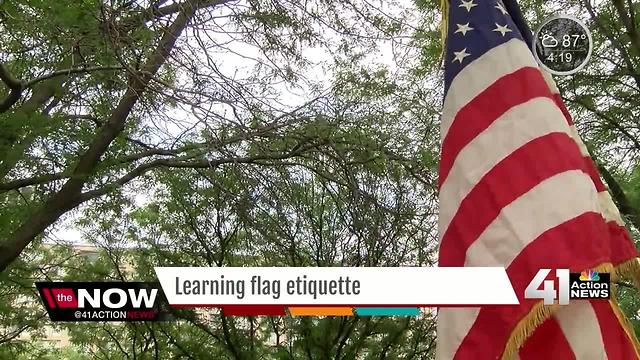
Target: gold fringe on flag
630 270
626 325
539 314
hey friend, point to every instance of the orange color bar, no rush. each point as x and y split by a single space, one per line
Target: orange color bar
321 311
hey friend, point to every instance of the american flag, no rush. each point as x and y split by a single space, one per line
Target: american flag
519 190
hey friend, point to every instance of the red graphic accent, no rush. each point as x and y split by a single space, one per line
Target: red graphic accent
334 305
141 314
65 298
253 310
49 298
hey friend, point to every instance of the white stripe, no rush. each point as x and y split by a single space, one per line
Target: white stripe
610 211
548 78
578 140
574 131
509 234
515 128
580 326
482 72
552 202
452 326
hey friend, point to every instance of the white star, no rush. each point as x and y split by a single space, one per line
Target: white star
501 8
502 29
460 55
467 5
463 29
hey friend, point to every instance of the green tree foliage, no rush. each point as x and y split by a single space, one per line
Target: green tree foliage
207 133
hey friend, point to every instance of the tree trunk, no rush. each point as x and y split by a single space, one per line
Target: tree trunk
70 195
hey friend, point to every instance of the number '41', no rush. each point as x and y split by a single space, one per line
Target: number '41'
548 292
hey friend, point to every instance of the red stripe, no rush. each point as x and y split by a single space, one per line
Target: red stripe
49 298
253 310
616 342
558 100
578 244
512 177
507 92
593 171
547 342
621 246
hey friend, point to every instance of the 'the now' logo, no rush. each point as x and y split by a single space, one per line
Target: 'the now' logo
99 297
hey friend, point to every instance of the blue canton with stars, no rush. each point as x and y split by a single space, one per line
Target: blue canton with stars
475 27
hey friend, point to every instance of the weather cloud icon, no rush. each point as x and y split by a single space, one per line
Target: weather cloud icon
549 41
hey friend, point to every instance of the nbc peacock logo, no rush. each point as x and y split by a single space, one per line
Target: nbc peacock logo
589 275
589 284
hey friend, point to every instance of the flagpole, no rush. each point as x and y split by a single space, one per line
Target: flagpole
444 7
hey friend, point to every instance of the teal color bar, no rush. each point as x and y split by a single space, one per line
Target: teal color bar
386 311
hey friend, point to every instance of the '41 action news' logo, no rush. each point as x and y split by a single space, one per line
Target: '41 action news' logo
588 284
103 301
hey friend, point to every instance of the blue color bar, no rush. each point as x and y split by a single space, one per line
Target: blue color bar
386 311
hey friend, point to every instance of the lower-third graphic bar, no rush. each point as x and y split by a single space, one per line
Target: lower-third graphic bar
387 311
321 311
253 310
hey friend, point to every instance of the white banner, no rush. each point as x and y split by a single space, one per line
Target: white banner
349 286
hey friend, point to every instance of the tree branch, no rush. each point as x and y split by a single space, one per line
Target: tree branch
150 151
70 195
15 88
612 39
78 70
609 120
35 180
629 23
181 163
156 12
